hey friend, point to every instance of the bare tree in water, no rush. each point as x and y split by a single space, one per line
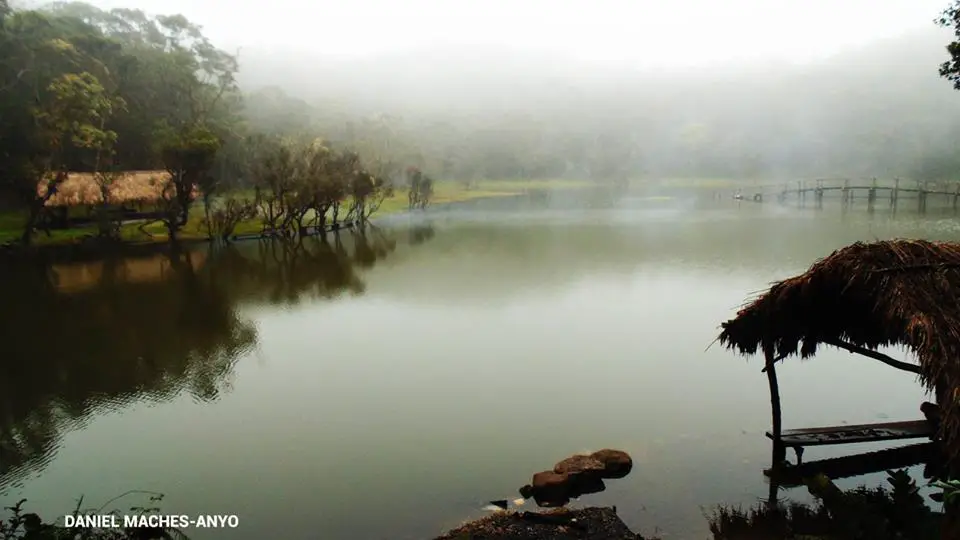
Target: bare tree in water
420 189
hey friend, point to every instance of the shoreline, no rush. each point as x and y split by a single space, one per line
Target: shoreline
70 244
590 523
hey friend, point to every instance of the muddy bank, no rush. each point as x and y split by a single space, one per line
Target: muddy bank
559 524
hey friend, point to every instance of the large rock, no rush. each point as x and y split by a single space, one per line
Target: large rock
579 464
585 484
576 476
548 488
616 463
585 474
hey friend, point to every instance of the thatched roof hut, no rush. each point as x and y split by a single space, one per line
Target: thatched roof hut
860 298
80 189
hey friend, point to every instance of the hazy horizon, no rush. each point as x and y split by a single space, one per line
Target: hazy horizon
751 89
629 34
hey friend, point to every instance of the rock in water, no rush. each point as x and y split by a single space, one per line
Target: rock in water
574 465
585 484
584 473
576 476
616 463
548 489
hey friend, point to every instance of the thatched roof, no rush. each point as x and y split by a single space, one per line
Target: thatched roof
129 187
900 292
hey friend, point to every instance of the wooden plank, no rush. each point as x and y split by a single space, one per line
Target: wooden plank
888 431
856 465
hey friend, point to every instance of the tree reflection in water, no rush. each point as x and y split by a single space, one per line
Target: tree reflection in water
80 339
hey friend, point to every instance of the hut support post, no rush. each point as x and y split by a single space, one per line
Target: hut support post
779 451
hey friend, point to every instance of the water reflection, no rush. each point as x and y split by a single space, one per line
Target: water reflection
500 340
81 339
420 234
70 352
892 511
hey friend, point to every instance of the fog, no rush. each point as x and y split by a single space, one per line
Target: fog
876 110
763 90
635 32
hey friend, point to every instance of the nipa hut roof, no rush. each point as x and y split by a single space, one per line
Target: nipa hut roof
129 187
898 292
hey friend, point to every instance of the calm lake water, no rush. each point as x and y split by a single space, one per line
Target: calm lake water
387 386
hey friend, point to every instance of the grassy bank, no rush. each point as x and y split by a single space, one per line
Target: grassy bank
11 223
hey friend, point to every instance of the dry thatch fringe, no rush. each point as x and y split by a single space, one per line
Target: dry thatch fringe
896 292
81 189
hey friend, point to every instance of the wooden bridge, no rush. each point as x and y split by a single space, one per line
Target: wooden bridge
847 190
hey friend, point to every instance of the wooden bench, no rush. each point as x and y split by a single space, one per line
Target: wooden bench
889 431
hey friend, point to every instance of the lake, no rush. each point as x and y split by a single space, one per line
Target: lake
389 385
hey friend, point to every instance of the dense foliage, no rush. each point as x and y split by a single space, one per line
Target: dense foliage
88 90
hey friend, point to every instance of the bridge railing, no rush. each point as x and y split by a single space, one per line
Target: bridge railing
945 187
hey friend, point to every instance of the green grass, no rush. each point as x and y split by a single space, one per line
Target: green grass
11 223
11 228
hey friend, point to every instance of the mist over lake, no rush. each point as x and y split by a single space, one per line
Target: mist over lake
387 385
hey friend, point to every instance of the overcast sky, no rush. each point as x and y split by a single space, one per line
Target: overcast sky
666 33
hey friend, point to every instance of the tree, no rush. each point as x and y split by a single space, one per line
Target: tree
420 189
222 221
72 116
4 11
90 90
187 156
272 170
367 193
170 74
950 18
53 106
105 174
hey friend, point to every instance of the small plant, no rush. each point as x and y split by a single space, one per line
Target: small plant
29 526
951 490
21 525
